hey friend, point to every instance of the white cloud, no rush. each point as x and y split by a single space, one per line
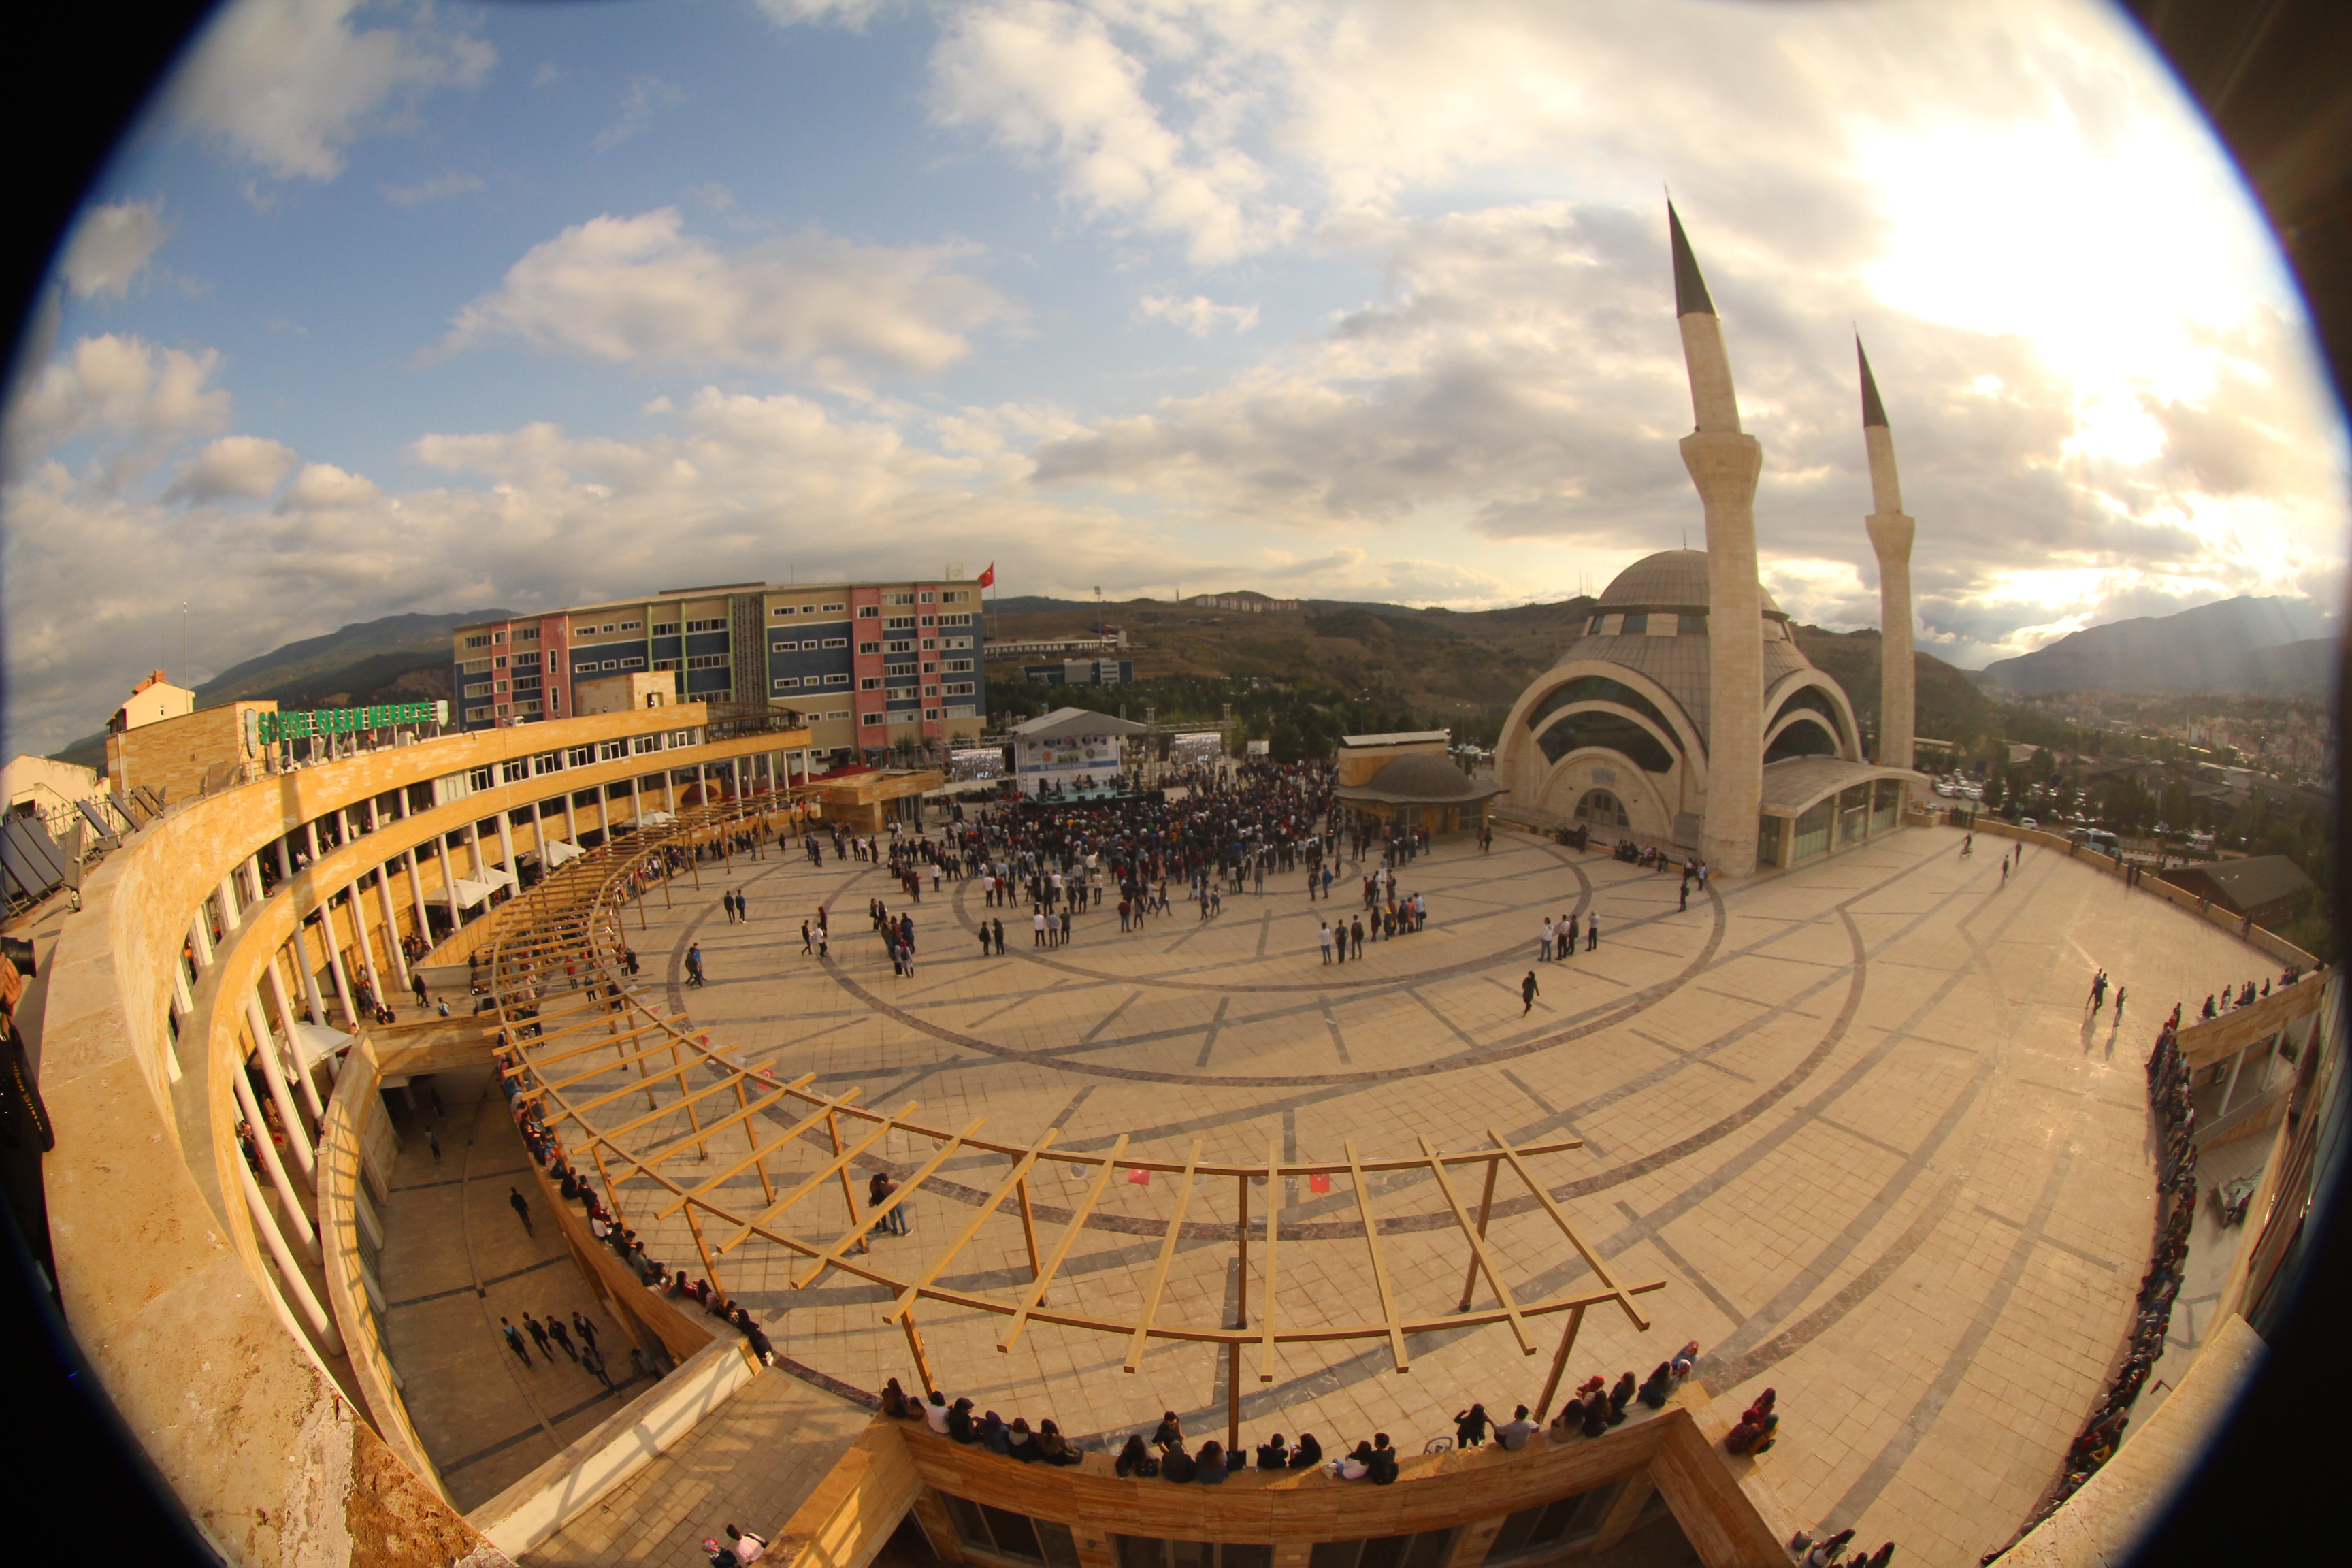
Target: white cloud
290 84
638 101
125 388
1049 80
1199 315
641 291
245 467
111 244
455 182
322 487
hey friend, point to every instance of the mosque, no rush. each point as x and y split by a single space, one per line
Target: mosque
1685 714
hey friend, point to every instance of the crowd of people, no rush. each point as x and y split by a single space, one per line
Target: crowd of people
958 1422
2244 995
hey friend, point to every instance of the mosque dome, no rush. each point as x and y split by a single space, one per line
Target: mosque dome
1672 580
1421 776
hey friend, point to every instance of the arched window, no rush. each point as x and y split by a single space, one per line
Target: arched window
1815 699
1805 738
1601 809
1611 732
1596 688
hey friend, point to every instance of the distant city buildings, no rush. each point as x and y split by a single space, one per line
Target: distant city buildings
872 667
1081 672
1248 602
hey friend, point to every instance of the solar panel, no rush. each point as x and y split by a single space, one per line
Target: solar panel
96 819
31 858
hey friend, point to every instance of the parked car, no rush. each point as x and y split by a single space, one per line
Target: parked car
2027 822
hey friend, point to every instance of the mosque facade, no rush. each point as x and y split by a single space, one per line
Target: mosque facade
1684 714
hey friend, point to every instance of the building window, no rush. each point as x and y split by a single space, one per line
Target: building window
788 683
632 664
955 642
546 763
930 620
870 683
956 596
497 637
836 642
930 667
611 751
666 630
643 743
957 666
528 705
932 714
870 719
1001 1532
579 756
707 661
959 688
526 634
899 623
1427 1550
665 664
481 641
1148 1552
476 715
927 596
478 688
715 624
609 664
867 612
897 598
475 665
514 770
837 606
835 713
832 680
961 620
964 711
633 625
1691 626
526 683
1548 1526
901 644
866 647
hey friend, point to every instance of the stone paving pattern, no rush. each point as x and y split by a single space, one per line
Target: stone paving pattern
1857 1116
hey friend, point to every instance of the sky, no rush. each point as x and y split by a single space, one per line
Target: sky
409 307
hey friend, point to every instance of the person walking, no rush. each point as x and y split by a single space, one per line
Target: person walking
1686 903
513 1336
694 975
1355 935
594 1363
999 923
521 1207
538 1331
808 939
559 1334
433 1142
2119 1006
1529 992
587 1329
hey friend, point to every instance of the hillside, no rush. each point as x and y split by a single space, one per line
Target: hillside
1949 706
2213 647
395 659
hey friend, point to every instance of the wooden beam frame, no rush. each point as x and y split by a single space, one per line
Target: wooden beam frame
1159 1270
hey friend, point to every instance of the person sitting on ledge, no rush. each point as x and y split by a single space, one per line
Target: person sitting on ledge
1355 1466
1661 1383
1169 1433
1135 1459
894 1401
1620 1396
1596 1413
1209 1468
991 1435
1383 1462
1470 1427
960 1425
1307 1455
1686 1361
1176 1465
1053 1449
1021 1443
936 1412
1273 1454
1513 1434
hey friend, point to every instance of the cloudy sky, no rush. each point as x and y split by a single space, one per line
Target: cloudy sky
397 307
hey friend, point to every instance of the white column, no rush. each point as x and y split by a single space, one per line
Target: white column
300 953
448 880
506 843
474 849
320 1324
183 1002
636 808
311 841
398 955
669 790
571 817
200 937
253 877
416 896
229 912
285 860
298 1135
277 995
367 948
2237 1066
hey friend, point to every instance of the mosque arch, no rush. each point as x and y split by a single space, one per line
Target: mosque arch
1809 693
1601 808
1589 728
1599 689
1803 735
1649 800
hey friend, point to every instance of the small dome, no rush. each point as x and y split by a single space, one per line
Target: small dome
1421 776
1670 580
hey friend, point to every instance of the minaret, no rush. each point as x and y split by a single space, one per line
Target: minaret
1723 464
1890 536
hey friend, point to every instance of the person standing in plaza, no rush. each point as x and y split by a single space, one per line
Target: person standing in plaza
1592 931
433 1142
586 1330
1355 935
1000 936
1037 926
521 1207
1326 941
1543 943
1529 992
1685 897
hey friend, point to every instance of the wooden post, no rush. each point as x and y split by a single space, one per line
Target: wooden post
709 1269
1241 1274
1029 1228
1560 1362
701 1150
915 1348
848 1186
1232 1401
751 1132
611 1194
1485 1207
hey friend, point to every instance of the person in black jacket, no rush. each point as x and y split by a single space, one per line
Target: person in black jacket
1383 1462
1169 1433
1053 1448
1273 1454
1470 1427
960 1425
1307 1455
1176 1465
1135 1459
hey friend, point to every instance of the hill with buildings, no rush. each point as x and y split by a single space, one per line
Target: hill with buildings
2229 647
394 658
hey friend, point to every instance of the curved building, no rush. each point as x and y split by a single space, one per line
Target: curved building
1684 715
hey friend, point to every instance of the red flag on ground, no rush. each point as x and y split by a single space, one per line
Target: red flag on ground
1319 1182
1139 1178
988 578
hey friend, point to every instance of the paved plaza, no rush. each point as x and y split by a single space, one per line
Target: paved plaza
1857 1117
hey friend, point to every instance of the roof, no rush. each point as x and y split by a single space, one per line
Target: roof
1690 289
1419 778
1679 664
1793 786
1400 738
1670 580
2252 883
1064 722
1873 411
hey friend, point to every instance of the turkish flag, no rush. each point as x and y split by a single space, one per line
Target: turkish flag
988 578
1319 1182
1139 1177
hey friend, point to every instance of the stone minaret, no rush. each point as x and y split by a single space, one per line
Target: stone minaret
1890 536
1723 464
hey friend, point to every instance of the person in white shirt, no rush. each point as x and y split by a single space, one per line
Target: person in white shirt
749 1548
1513 1434
1544 952
934 1413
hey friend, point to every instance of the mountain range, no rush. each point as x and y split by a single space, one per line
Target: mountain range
2274 646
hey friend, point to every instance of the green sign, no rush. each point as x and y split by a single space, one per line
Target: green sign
269 727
